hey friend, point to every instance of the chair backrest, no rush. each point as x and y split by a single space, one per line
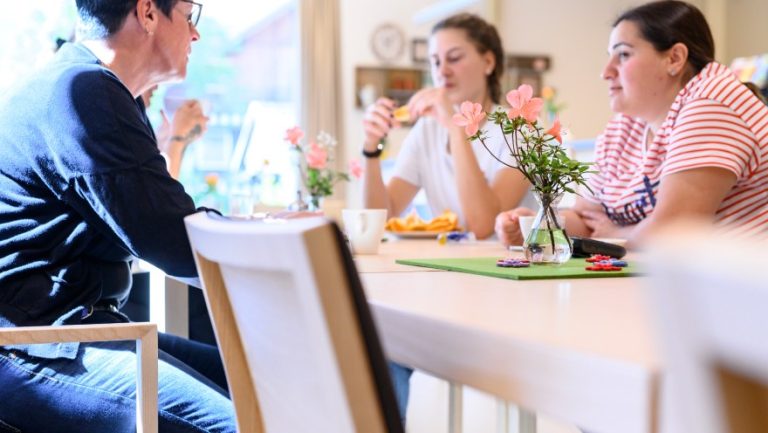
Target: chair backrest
711 295
297 338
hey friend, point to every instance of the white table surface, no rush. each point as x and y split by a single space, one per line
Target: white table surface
578 350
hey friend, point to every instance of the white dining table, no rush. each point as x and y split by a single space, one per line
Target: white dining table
577 350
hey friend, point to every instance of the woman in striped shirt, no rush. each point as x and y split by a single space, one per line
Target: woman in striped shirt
688 141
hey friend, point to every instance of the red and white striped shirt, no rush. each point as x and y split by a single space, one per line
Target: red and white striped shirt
715 121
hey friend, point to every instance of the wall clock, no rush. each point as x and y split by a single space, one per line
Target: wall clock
388 42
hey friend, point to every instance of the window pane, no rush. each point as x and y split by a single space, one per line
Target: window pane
244 69
28 33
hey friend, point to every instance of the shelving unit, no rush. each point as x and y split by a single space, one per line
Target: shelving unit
395 83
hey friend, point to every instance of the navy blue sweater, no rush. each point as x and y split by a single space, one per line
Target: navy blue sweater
83 188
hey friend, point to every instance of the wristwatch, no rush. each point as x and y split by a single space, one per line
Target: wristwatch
376 153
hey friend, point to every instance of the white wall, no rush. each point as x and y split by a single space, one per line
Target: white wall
747 28
575 36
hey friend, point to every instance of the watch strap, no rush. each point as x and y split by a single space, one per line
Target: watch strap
374 153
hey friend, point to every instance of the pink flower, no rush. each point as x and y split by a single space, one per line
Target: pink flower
355 169
470 117
555 131
317 156
523 105
293 135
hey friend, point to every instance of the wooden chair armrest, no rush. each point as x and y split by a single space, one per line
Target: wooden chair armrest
145 335
81 333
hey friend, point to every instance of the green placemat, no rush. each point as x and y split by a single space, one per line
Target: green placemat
574 268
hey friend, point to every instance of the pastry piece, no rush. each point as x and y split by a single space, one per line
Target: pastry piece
402 114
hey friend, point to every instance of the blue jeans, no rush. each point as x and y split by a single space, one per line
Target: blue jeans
95 392
401 379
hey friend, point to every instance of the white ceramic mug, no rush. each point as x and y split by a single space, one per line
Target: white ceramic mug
364 228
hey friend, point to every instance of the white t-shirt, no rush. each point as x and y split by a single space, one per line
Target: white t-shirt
424 161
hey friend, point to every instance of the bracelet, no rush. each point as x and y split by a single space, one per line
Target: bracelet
178 138
376 153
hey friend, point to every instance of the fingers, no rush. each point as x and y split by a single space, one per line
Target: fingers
379 115
191 108
507 228
378 121
421 102
523 211
432 102
189 113
597 222
507 225
164 116
592 218
374 132
386 102
202 124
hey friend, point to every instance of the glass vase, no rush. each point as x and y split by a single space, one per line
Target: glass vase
547 242
298 205
314 202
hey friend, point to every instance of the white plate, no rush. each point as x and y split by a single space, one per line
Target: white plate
616 241
417 234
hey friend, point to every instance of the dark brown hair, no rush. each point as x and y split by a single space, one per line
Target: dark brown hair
756 90
665 23
484 37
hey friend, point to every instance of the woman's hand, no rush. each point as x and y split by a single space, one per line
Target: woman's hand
600 225
378 121
432 101
189 120
508 226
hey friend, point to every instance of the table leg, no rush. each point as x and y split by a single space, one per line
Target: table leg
526 421
455 408
503 416
176 307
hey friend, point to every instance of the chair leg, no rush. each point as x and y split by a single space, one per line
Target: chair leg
146 383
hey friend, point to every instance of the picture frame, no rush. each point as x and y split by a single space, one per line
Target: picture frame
525 69
419 51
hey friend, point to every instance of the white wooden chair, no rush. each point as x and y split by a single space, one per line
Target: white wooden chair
145 335
298 342
711 295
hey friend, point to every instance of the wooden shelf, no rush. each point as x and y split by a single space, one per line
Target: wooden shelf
394 83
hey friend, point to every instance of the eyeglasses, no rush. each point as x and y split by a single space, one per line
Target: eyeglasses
194 16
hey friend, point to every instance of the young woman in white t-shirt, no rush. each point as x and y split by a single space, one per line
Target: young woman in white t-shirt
689 140
466 58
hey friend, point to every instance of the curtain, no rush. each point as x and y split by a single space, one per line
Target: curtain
321 108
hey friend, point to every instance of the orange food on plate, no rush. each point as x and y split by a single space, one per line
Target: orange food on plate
446 222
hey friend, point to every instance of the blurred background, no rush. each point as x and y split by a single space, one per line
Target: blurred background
247 70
